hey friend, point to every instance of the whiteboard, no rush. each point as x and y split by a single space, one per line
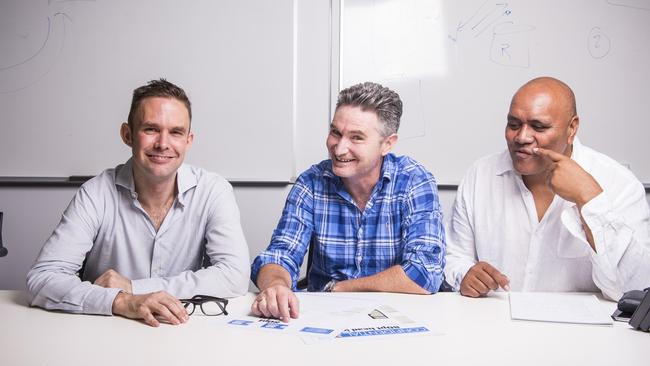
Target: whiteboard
68 70
456 65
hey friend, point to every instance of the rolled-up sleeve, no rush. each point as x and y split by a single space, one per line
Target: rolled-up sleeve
423 258
290 239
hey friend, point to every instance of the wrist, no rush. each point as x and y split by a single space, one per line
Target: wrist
119 303
588 196
330 286
275 283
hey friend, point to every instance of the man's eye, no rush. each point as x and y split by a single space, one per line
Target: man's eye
513 126
540 128
357 138
335 133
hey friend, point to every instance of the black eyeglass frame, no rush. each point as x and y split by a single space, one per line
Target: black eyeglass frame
202 299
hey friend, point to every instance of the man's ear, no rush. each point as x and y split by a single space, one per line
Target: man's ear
388 144
125 133
190 139
573 129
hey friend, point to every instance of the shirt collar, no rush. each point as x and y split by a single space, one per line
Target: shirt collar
504 164
185 179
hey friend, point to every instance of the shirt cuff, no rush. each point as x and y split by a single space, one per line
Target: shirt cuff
423 278
458 274
262 261
101 301
610 233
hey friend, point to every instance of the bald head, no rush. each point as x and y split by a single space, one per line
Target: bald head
560 94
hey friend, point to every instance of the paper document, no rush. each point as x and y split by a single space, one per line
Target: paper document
329 316
558 307
321 317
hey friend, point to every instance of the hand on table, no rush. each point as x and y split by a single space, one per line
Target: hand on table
481 279
278 302
112 279
150 308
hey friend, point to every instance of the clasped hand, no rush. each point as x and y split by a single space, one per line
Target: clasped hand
481 279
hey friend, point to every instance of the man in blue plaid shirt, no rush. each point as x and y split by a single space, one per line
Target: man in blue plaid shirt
373 219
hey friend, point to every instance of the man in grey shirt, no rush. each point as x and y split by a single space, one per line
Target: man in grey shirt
144 227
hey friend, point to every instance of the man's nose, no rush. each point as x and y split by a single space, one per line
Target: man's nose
341 147
162 142
524 135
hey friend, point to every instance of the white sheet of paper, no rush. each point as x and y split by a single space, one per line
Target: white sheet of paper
558 307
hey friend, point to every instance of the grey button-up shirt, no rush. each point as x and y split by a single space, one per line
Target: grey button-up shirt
106 225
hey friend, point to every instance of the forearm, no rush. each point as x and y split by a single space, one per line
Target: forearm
221 280
392 279
54 290
273 275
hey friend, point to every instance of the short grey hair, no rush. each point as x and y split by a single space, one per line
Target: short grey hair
375 97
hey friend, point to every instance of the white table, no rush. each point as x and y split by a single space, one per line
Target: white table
476 331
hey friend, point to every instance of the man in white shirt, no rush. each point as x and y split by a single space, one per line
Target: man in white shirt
144 227
548 214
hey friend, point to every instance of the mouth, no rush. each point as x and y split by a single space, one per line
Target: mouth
159 158
524 153
342 160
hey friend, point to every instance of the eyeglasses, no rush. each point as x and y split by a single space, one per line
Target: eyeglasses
209 305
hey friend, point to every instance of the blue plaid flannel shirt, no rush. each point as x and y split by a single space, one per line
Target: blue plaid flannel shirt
402 224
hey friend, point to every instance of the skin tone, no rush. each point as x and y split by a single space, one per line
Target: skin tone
159 139
542 125
356 146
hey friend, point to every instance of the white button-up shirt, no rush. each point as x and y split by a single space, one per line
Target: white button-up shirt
106 226
494 219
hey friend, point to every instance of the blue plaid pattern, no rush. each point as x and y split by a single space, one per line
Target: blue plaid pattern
401 225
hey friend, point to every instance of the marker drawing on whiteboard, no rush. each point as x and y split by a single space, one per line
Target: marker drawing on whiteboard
510 44
28 70
631 4
598 43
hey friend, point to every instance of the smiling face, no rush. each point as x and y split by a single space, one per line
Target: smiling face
356 146
159 138
541 115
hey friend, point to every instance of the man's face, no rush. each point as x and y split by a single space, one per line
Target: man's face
355 145
159 138
538 117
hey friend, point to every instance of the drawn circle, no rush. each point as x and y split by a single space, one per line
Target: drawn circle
598 43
